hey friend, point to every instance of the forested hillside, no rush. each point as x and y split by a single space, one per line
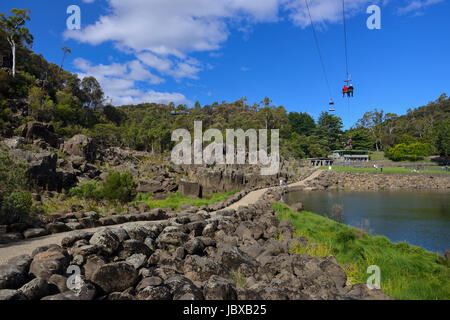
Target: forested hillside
45 92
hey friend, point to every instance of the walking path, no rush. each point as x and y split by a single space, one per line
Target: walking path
10 250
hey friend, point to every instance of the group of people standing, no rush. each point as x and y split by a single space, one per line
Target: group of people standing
283 182
376 167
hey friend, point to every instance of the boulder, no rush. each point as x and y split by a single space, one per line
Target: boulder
34 233
149 186
81 146
171 240
83 291
183 289
114 277
11 295
136 232
149 282
155 293
218 288
47 263
57 227
73 237
14 273
190 189
200 269
106 240
132 247
35 289
137 261
10 237
37 130
59 281
93 264
194 246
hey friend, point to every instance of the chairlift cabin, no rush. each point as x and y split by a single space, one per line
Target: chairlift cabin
331 109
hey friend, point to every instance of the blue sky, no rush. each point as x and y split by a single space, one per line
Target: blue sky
222 50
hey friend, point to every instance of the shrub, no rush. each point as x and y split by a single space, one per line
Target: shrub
89 190
119 186
412 152
16 207
12 175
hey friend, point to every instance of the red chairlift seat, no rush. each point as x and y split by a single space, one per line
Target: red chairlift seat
331 106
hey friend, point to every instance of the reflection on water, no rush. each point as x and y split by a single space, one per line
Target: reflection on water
419 218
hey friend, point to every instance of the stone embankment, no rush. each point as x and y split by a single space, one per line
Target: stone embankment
331 180
60 223
231 255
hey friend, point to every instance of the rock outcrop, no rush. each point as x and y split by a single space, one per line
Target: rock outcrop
36 130
231 255
81 146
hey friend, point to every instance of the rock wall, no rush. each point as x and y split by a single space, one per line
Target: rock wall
225 179
232 255
385 181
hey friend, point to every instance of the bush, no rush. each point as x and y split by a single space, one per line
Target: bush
12 175
119 186
89 190
412 152
16 207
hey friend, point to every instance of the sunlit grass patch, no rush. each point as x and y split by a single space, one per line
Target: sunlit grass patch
407 272
176 200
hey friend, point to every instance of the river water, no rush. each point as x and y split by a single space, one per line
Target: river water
419 218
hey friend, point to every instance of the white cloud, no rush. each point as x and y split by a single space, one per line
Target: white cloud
162 35
187 68
416 6
323 11
172 27
119 82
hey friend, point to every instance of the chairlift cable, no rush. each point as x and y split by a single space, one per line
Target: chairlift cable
345 40
318 50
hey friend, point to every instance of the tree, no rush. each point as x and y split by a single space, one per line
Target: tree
442 137
302 123
93 92
360 139
330 128
373 121
66 52
16 33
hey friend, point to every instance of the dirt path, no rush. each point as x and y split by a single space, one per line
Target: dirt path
10 250
254 196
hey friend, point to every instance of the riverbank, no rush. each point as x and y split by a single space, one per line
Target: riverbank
407 272
337 180
430 170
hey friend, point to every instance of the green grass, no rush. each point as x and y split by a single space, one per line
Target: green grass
385 170
407 272
379 155
176 200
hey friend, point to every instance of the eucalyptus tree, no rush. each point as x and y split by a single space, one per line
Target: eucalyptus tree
15 32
